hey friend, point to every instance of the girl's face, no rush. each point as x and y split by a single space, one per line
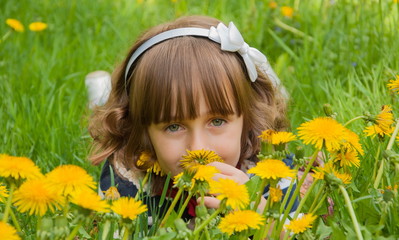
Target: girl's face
220 134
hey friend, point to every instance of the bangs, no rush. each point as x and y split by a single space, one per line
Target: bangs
167 91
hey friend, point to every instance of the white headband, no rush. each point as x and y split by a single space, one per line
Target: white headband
230 39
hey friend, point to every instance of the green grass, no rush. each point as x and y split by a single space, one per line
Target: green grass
337 52
345 56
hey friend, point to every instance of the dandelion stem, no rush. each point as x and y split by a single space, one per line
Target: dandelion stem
379 174
394 134
8 204
206 232
126 233
377 156
172 206
259 197
303 200
317 198
15 221
181 211
288 192
208 220
265 227
313 210
351 212
297 189
142 186
74 232
354 119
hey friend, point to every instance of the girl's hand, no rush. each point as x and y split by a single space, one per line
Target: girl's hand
228 171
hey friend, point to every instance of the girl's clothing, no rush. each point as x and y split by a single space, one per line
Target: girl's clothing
127 183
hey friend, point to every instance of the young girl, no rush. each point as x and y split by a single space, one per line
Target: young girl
189 84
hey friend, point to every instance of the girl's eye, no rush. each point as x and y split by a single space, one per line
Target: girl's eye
218 122
173 128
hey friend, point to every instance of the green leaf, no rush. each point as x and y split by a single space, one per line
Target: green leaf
83 233
253 187
323 230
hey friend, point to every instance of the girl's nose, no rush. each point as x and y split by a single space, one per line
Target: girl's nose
198 141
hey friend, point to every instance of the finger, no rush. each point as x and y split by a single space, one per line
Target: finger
236 179
210 202
228 171
224 168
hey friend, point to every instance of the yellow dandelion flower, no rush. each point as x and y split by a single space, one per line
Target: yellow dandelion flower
300 225
238 221
318 173
373 130
351 141
287 11
345 177
272 169
236 194
112 193
37 26
3 193
201 157
70 178
128 207
177 178
273 5
282 137
36 197
385 119
323 131
154 167
266 135
18 167
15 24
205 173
90 200
184 180
347 158
8 232
275 194
394 84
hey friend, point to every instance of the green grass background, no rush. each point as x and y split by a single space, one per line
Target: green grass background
339 52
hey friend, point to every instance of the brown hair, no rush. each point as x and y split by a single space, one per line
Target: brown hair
162 87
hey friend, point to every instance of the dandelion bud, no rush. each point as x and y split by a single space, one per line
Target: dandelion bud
61 229
327 110
388 196
201 211
332 180
46 227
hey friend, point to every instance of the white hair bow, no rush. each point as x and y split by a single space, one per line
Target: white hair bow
231 40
